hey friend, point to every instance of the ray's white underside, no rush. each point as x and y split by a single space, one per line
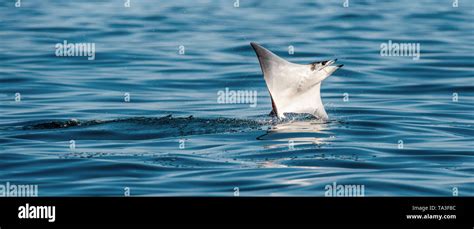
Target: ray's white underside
294 88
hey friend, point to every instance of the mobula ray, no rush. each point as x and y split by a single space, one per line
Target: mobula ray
294 88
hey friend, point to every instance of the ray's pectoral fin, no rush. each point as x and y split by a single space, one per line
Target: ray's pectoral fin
294 88
274 109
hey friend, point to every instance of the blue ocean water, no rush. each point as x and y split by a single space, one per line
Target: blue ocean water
398 126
